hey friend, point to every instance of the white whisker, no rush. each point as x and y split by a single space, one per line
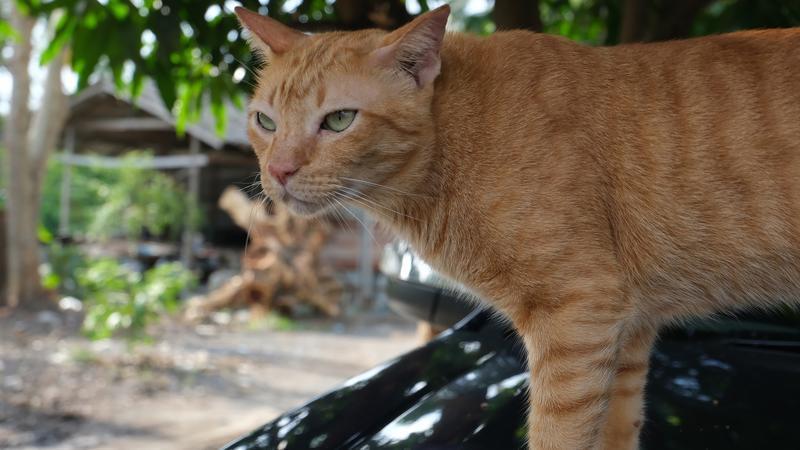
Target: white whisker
378 185
355 195
359 221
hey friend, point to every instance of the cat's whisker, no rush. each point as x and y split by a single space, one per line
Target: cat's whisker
339 217
252 186
382 186
359 221
365 201
246 67
349 193
335 210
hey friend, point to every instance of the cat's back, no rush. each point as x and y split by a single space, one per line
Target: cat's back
720 112
731 68
688 150
701 140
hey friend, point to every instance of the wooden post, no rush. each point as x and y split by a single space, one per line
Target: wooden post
66 178
194 193
365 261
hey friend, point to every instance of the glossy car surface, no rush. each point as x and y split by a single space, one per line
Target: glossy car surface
730 384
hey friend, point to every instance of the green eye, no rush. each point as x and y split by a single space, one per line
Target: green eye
265 122
338 120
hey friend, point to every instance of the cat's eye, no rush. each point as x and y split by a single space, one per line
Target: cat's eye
338 121
265 122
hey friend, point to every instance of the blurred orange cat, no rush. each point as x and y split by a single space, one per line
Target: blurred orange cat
590 194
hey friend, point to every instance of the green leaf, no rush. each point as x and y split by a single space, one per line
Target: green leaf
218 109
119 9
64 32
51 281
7 31
44 235
166 87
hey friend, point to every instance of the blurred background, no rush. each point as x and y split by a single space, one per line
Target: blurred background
151 297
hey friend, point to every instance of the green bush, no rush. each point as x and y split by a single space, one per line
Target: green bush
120 300
62 267
127 201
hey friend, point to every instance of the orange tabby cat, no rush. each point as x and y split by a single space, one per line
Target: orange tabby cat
591 194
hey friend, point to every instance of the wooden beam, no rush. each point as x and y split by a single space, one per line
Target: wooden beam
156 162
188 238
125 124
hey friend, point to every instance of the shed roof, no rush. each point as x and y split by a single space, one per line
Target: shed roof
150 103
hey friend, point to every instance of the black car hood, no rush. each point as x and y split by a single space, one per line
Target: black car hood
467 389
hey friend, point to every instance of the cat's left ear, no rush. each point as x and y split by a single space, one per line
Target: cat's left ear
414 48
269 36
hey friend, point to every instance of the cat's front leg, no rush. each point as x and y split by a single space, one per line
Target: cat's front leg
626 405
572 355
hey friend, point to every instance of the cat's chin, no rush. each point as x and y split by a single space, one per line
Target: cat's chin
302 207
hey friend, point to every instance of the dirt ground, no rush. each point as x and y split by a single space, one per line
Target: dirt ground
195 387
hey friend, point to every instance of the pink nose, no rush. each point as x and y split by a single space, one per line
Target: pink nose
282 171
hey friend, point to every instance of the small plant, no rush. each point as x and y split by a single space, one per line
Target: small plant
119 299
61 270
273 321
83 356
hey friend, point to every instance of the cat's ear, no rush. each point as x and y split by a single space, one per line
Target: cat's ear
268 36
414 48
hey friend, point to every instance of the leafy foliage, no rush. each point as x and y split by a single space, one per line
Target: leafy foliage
585 21
61 271
190 48
730 15
128 201
119 299
142 200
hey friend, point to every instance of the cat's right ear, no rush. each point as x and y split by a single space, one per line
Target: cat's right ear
268 36
414 48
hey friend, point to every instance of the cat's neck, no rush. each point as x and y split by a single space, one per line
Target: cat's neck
423 213
476 110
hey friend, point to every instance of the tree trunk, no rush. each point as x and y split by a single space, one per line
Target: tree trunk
633 21
515 14
677 22
48 123
29 145
19 287
644 21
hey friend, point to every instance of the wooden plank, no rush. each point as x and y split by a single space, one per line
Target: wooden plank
125 124
156 162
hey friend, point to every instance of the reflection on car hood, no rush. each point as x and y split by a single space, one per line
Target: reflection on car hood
400 262
467 389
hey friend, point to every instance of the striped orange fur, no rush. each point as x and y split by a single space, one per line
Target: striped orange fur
590 194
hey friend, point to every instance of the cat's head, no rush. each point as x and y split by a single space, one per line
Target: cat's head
340 117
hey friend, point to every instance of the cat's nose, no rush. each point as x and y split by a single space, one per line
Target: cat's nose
282 171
